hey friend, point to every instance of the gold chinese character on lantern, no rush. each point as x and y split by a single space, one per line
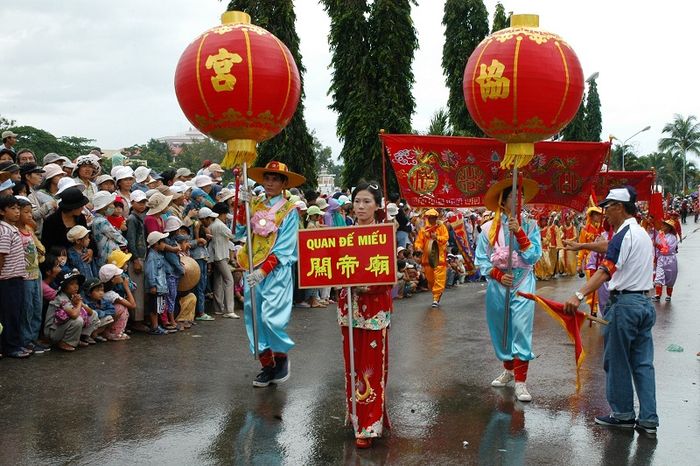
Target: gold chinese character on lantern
222 63
491 81
347 265
320 267
378 265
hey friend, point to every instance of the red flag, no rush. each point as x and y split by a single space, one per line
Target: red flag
442 171
641 181
571 323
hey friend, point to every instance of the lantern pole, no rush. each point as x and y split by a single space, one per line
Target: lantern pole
511 238
351 352
249 245
386 196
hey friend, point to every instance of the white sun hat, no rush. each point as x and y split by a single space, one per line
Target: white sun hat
102 199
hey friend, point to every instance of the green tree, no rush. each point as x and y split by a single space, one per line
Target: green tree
75 146
624 153
373 48
324 158
593 117
576 129
293 145
683 137
500 20
466 25
157 153
440 124
192 155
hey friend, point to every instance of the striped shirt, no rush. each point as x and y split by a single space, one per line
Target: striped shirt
11 248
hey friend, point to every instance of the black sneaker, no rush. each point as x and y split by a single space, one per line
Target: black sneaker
435 304
668 299
645 429
282 370
656 299
611 421
41 349
265 376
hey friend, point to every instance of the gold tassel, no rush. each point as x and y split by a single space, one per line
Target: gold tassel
239 151
518 154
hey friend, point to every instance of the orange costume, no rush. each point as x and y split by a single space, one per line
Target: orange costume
435 268
543 268
568 258
589 233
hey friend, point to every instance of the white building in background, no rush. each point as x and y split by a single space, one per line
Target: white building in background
188 137
326 183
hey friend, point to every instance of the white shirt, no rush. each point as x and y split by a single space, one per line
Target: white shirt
630 258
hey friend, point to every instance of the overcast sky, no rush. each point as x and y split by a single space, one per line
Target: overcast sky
104 69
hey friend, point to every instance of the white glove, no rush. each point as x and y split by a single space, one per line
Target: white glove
255 278
244 195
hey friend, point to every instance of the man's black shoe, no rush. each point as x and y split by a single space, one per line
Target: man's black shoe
282 370
265 376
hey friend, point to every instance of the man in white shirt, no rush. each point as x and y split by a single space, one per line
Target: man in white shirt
629 348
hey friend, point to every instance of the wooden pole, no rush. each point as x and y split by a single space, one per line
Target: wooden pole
249 245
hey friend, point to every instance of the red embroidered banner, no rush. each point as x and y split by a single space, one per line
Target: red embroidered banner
642 181
347 256
442 171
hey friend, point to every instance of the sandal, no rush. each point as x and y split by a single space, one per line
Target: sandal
63 346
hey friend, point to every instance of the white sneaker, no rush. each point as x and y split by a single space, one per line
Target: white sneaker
521 392
303 305
503 379
232 315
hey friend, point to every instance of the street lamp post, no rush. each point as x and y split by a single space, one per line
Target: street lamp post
622 146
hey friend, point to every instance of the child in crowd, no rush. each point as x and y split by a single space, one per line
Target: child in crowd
50 270
173 272
188 301
200 253
219 251
136 239
12 272
69 323
61 254
398 291
93 296
238 287
79 237
31 320
117 218
156 280
118 292
105 183
106 236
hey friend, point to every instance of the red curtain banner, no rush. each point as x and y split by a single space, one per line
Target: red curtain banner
443 171
642 181
347 256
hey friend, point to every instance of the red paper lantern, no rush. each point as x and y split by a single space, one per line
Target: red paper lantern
239 84
522 85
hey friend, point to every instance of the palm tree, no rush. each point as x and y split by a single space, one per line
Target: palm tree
623 158
683 137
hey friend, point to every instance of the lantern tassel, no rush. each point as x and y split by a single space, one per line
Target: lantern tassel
518 154
239 151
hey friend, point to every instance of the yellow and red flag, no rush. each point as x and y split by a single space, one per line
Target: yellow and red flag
571 323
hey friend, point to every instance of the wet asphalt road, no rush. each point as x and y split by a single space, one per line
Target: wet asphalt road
187 398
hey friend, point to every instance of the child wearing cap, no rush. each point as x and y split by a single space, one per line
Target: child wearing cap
117 218
200 253
136 239
79 237
156 280
33 250
106 236
93 296
12 272
117 292
173 271
69 322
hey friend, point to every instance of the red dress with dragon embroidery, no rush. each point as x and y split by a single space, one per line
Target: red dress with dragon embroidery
371 318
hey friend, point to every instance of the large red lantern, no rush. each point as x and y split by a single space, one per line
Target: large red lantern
239 84
522 85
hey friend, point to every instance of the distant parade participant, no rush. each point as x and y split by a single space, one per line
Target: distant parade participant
492 259
567 259
432 241
666 244
543 268
372 307
274 226
589 233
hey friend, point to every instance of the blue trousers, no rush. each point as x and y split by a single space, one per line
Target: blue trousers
201 286
274 309
629 357
31 319
11 312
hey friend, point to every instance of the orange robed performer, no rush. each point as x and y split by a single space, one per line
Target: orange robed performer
568 258
589 233
432 240
543 268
